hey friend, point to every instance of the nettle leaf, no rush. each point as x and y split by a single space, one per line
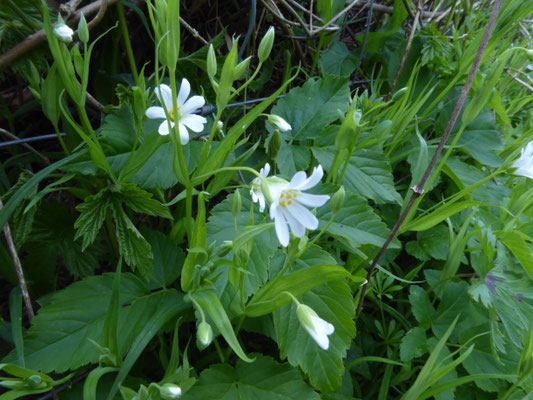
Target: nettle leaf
136 251
93 211
355 224
421 306
168 261
332 302
141 201
311 108
413 344
292 158
264 379
431 243
59 337
368 173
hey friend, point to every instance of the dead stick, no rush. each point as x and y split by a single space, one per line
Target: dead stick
35 39
18 268
418 189
30 148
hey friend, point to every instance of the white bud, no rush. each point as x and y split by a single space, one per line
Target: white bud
63 33
279 123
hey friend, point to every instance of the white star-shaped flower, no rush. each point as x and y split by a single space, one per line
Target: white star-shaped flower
255 190
289 204
524 164
185 113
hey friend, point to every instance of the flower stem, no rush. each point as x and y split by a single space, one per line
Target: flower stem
127 43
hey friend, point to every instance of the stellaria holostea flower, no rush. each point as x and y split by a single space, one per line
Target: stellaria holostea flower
255 191
185 113
314 325
524 164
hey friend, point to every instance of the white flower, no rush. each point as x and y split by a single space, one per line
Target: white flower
63 33
288 203
170 391
185 113
524 165
279 123
255 191
314 325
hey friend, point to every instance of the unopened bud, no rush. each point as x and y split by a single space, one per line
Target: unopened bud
83 30
170 391
530 54
274 145
220 125
63 32
241 68
279 123
399 94
337 200
237 204
265 47
211 62
204 334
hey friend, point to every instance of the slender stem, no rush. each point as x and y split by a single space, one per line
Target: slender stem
514 386
418 190
127 42
219 351
312 242
18 269
61 141
317 53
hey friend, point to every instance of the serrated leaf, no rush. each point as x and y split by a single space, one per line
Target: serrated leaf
311 108
136 251
421 306
141 201
454 302
338 60
265 379
355 224
168 261
292 158
432 243
93 211
368 173
413 344
58 339
117 131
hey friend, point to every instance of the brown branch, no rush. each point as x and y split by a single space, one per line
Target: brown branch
30 148
35 39
18 269
418 190
407 50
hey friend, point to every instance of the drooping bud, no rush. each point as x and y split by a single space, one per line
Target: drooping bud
279 122
314 325
211 62
63 32
337 200
265 47
169 391
241 68
83 30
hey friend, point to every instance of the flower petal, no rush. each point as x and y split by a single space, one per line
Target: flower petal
264 171
319 337
303 215
164 95
185 90
296 227
282 230
155 112
261 199
312 200
184 134
193 104
313 180
297 180
193 122
163 128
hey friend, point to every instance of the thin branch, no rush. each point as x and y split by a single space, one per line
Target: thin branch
520 81
336 17
30 148
18 269
35 39
418 190
193 32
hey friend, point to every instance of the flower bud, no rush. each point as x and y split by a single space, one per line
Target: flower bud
274 144
83 30
314 325
63 32
237 204
337 200
279 123
169 391
204 334
220 125
241 68
211 62
265 47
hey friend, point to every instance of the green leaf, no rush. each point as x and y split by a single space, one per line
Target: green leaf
93 212
432 243
210 302
421 306
265 379
338 60
136 251
332 302
15 314
141 201
454 302
520 249
311 108
168 261
58 339
355 224
198 240
51 90
292 158
413 344
117 131
368 173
